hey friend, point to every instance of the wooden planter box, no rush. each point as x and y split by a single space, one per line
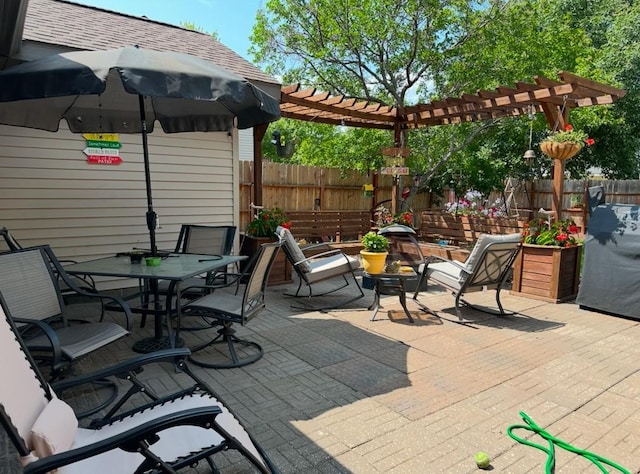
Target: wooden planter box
462 229
547 273
281 271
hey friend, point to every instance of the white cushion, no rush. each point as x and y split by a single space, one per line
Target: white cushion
55 429
483 241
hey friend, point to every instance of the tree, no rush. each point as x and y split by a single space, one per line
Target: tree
187 25
420 50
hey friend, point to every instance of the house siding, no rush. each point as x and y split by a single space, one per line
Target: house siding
49 194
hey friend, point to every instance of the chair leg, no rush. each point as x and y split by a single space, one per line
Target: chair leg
226 336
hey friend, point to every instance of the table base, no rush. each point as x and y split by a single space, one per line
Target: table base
152 344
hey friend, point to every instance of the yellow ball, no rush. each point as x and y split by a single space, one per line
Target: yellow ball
482 460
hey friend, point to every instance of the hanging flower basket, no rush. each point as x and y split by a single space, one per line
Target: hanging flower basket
560 150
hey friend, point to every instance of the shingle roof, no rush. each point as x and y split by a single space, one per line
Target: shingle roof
77 26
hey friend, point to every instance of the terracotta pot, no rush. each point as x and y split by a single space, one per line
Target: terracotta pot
373 262
560 150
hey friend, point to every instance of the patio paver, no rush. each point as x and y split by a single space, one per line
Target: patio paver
337 393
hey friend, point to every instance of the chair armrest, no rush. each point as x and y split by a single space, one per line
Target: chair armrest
314 246
134 364
130 440
328 253
49 333
435 259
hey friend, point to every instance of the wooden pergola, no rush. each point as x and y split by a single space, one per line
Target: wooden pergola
554 98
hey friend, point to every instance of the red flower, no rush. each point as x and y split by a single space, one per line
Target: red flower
574 229
562 237
568 127
589 141
286 225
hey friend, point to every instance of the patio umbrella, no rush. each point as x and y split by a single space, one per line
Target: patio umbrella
125 91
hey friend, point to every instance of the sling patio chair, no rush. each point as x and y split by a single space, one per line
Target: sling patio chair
29 281
166 433
318 262
488 266
86 283
228 308
205 240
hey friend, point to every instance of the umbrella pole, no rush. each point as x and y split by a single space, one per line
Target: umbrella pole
152 217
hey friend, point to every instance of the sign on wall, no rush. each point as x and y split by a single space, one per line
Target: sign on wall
102 148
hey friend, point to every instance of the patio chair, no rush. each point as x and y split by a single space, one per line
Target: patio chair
488 266
167 433
227 309
205 240
86 283
30 287
316 263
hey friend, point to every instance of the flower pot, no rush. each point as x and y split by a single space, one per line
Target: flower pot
373 262
547 273
281 270
560 150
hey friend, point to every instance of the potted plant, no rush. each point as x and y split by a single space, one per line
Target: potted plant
260 230
565 144
548 267
265 223
374 253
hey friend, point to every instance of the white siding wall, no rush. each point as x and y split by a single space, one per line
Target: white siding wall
245 144
49 194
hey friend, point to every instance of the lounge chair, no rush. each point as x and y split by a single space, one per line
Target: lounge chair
166 433
488 266
316 263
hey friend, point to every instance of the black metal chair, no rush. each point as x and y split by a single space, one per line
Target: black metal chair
227 309
316 263
29 281
86 283
166 433
488 266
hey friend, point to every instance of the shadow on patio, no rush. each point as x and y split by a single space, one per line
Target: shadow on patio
336 392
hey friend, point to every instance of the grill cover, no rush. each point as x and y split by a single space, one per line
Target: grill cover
611 271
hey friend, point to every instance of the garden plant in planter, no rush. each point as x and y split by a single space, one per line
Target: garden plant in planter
374 254
565 144
548 267
260 230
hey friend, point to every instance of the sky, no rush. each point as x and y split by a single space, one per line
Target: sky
233 21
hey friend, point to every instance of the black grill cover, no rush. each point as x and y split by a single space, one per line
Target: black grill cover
611 272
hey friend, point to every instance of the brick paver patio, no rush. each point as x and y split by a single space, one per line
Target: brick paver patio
337 393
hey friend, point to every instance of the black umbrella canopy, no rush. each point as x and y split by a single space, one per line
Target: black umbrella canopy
96 91
125 91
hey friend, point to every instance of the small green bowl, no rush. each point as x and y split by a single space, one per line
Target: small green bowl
153 261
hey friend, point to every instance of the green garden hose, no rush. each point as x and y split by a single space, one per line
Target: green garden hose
553 441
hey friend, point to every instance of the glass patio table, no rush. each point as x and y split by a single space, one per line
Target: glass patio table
175 268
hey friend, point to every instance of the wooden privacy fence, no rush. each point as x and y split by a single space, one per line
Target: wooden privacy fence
324 203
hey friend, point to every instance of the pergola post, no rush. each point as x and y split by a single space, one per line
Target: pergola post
557 118
259 132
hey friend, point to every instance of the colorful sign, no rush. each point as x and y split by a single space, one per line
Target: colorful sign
109 137
103 144
102 148
395 170
103 160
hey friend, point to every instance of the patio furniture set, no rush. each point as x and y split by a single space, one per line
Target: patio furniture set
184 287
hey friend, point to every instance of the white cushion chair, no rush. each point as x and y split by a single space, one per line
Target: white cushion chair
316 263
488 266
167 434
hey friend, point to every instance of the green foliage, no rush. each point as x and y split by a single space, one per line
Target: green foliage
374 242
420 50
266 222
188 25
542 232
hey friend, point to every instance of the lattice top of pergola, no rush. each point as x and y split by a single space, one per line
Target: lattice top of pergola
546 95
